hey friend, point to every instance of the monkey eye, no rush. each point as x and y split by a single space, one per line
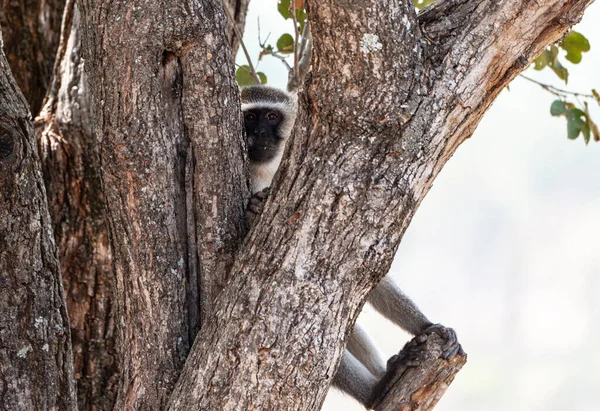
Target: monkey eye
250 117
272 116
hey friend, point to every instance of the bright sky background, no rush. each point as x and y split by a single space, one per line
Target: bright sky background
505 248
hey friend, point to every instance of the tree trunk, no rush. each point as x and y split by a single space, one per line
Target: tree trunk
387 104
31 30
169 127
36 369
71 167
70 161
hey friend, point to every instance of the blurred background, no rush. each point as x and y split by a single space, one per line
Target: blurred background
505 248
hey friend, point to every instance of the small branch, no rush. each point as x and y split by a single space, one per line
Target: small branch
555 90
268 52
296 78
420 388
292 10
239 35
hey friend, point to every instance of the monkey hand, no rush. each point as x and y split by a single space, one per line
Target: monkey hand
415 354
451 346
256 205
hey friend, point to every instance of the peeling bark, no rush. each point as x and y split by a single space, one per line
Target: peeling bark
31 31
36 369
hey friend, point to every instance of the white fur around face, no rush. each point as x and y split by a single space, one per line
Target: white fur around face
262 174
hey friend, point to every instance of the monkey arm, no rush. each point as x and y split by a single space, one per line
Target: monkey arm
393 304
363 348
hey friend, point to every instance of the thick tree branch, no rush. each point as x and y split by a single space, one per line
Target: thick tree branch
378 123
166 110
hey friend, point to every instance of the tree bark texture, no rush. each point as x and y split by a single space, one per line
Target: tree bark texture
419 388
391 97
36 368
71 166
166 109
31 31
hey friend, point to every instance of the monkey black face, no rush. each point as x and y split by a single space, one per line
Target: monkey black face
263 130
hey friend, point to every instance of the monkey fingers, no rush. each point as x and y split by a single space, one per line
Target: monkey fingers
451 346
256 205
412 355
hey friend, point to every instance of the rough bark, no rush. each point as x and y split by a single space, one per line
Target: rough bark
419 388
70 163
31 31
71 167
166 109
378 122
36 369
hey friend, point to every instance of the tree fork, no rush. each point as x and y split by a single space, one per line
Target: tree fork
376 125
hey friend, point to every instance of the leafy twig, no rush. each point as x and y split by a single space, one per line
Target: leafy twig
237 33
555 90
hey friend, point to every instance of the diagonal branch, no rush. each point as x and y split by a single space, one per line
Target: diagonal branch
377 124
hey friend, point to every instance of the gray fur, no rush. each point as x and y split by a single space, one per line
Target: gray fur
394 305
363 348
354 378
361 361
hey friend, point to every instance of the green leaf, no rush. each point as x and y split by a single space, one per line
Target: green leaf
283 6
576 119
573 127
244 77
558 107
301 17
419 4
585 129
577 112
285 43
555 65
541 61
549 58
575 44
